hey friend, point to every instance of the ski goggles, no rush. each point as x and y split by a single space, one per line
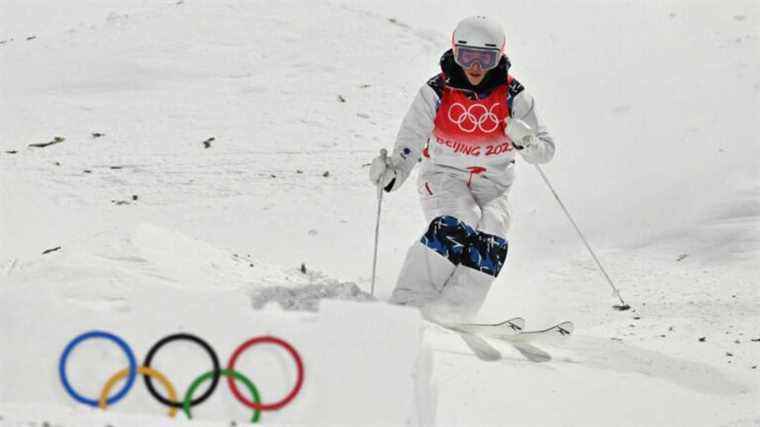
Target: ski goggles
466 56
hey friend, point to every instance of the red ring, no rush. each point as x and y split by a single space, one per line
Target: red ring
265 406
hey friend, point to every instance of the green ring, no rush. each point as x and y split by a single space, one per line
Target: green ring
227 373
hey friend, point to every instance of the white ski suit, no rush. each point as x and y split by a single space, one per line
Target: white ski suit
468 163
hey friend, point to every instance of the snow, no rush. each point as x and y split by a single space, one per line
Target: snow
653 106
137 291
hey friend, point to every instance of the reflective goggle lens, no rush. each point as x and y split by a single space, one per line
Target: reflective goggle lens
487 58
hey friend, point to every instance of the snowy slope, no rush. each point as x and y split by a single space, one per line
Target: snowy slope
153 283
653 106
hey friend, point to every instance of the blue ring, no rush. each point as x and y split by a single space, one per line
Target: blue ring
98 334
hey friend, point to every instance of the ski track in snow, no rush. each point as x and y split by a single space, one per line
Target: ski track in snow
147 208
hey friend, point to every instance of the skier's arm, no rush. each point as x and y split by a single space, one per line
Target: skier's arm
542 149
415 129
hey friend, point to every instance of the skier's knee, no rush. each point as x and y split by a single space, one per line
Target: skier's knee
462 244
448 236
486 253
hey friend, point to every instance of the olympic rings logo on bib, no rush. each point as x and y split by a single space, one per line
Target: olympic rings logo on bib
130 373
477 116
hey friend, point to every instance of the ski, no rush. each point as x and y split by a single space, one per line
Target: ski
512 329
563 328
474 340
482 349
513 326
560 329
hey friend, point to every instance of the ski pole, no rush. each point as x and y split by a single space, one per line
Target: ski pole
622 306
384 155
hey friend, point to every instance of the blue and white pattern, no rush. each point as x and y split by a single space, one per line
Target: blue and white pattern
462 244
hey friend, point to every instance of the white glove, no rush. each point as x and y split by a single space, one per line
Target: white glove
521 134
382 172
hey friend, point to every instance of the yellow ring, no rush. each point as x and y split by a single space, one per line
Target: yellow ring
102 402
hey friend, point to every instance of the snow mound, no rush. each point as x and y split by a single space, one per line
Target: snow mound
307 298
154 282
114 262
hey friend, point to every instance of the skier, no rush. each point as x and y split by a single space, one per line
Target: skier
465 126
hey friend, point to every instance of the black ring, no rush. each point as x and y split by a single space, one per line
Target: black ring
214 360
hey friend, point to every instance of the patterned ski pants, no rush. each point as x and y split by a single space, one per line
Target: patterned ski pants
449 270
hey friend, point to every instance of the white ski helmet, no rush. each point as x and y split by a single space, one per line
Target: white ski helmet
479 32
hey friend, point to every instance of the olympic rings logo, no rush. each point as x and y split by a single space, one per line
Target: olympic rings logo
468 120
130 373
